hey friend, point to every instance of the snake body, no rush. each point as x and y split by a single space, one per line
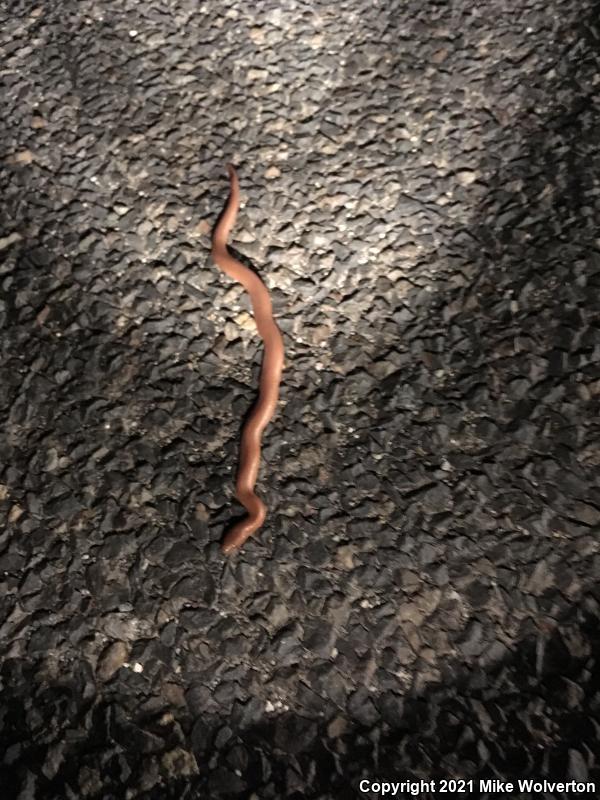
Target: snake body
270 376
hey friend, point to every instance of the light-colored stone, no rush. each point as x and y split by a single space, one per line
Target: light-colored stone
272 172
6 241
22 157
111 660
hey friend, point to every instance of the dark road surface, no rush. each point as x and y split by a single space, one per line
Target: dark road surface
421 193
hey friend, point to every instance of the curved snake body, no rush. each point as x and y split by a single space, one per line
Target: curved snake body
270 375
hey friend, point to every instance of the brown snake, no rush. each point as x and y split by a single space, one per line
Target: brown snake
270 375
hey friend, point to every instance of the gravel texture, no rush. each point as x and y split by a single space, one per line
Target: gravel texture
421 186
